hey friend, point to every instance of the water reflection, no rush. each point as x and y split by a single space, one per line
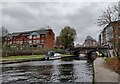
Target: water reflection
26 73
47 71
66 73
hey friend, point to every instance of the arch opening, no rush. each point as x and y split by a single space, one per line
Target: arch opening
95 53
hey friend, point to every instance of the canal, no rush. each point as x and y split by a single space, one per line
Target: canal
62 70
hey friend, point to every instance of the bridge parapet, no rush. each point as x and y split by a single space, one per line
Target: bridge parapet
102 49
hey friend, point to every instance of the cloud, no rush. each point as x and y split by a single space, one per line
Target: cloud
59 0
24 16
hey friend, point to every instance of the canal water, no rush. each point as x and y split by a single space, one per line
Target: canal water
62 70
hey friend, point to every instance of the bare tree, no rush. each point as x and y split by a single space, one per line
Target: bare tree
4 31
108 15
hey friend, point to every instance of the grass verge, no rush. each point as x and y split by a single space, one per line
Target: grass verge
67 55
30 57
113 63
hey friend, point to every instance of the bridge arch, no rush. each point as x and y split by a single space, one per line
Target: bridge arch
89 53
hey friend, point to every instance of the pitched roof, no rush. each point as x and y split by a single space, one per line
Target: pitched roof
26 33
8 35
15 34
42 31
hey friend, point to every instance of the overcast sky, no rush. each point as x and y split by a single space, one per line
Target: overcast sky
82 16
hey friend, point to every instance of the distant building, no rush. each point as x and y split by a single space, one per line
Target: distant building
105 37
110 35
90 42
43 38
78 45
58 44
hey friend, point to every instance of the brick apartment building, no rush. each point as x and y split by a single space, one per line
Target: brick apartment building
116 33
110 35
58 44
43 38
90 42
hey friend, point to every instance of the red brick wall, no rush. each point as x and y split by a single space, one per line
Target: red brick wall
18 38
49 40
116 33
58 42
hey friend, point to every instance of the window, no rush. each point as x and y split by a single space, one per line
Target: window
13 41
38 36
34 41
42 40
34 37
34 45
6 38
21 42
10 42
42 46
30 41
42 35
30 37
38 41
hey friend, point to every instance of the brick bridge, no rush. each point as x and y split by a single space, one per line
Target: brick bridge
88 50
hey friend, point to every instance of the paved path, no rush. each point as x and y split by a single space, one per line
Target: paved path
103 74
